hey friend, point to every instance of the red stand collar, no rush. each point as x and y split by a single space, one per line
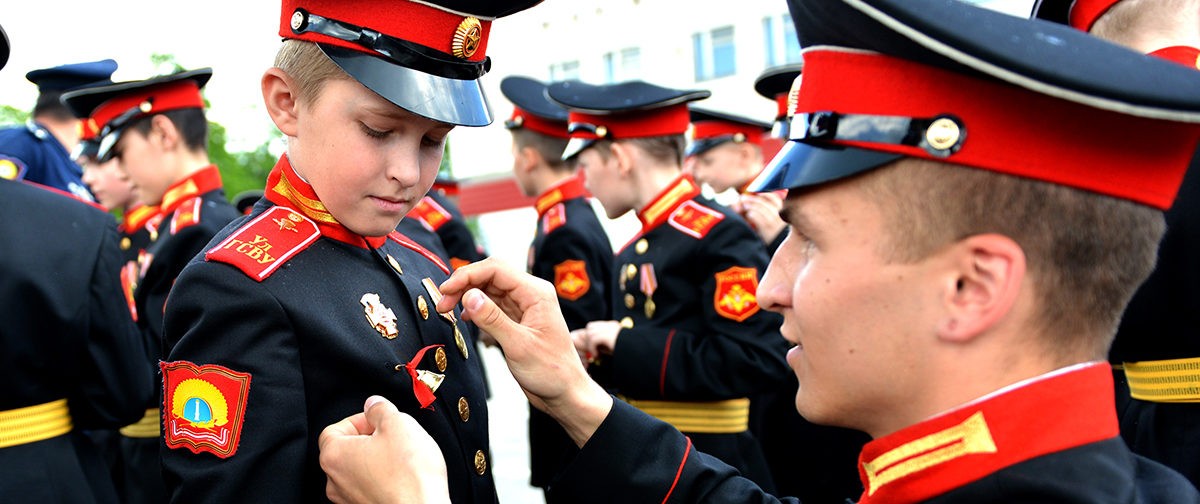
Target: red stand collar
570 188
205 180
286 188
1064 409
656 212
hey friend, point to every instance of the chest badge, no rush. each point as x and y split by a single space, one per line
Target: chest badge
382 318
435 295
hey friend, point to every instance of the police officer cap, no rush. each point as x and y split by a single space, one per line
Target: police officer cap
114 107
711 128
633 109
532 109
73 76
944 80
424 56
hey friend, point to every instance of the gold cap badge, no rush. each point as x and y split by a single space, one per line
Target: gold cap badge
944 135
466 38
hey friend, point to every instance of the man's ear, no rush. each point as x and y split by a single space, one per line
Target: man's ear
622 154
280 96
981 288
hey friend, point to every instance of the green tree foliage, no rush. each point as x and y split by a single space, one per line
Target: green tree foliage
12 115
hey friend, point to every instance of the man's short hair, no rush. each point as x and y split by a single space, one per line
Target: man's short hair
1087 252
550 148
50 105
191 123
1128 20
308 66
667 149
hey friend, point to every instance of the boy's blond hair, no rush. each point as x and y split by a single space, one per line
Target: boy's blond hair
308 66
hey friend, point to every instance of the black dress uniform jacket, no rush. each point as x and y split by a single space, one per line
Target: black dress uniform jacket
1052 439
444 218
296 320
67 335
570 250
192 211
692 328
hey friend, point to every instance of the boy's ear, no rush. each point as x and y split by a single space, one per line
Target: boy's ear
528 158
622 154
165 132
281 99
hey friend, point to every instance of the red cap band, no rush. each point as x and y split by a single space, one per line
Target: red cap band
170 96
546 127
408 20
781 105
669 120
1014 131
711 129
1084 13
1184 55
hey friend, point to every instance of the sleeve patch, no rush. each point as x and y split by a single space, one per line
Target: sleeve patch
571 279
430 213
204 407
265 243
694 219
187 215
554 218
734 298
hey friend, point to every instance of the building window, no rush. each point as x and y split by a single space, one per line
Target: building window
566 70
622 65
714 53
782 45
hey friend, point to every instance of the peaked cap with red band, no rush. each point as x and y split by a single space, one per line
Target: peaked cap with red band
1079 14
776 84
978 88
424 56
114 107
633 109
711 128
531 108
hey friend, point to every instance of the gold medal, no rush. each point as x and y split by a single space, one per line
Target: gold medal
649 308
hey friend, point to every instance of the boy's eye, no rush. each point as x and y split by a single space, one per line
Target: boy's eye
430 141
373 133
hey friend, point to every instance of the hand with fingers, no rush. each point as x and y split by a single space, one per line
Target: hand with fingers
761 210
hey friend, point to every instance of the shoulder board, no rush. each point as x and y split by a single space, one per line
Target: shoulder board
187 214
11 168
408 243
694 219
263 244
554 218
431 213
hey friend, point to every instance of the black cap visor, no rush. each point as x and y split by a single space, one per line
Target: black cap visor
454 101
800 165
698 147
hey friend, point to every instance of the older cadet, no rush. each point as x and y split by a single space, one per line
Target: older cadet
157 131
72 357
570 248
952 278
688 343
40 150
1156 353
291 317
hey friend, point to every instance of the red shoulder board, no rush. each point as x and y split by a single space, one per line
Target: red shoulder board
734 298
186 215
554 217
262 245
431 213
694 219
571 279
204 407
408 243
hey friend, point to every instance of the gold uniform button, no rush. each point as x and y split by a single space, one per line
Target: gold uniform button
641 246
627 323
423 307
394 264
464 409
480 462
439 357
630 270
126 243
629 301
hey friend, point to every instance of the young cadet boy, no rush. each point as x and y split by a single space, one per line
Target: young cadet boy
72 359
157 131
291 317
1155 351
688 343
952 277
570 248
40 150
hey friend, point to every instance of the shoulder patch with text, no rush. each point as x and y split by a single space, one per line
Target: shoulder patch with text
204 407
265 243
694 219
735 298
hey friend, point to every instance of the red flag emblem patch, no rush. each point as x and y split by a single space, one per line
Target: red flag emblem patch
571 279
734 298
204 407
